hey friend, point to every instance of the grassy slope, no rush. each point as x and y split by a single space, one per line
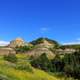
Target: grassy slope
11 73
7 70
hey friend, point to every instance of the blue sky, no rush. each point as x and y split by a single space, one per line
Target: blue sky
30 19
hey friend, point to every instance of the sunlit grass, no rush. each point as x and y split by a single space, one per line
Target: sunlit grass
15 74
12 73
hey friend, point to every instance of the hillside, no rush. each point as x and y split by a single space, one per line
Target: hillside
9 72
36 61
74 46
42 45
42 40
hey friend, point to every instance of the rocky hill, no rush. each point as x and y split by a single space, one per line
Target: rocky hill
46 41
38 47
10 49
17 43
42 45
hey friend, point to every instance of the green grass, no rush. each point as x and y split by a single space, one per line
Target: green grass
8 71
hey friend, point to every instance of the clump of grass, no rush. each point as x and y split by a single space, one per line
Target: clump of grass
23 65
11 58
3 77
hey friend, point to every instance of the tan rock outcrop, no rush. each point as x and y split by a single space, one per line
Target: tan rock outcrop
6 51
17 43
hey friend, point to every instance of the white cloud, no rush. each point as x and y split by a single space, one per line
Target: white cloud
76 41
4 43
44 29
69 43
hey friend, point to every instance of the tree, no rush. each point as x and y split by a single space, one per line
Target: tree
58 64
72 65
42 62
23 48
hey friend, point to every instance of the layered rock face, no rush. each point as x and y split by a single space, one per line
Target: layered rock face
6 51
42 48
10 48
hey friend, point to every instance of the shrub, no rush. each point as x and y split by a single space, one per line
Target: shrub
58 64
11 58
23 48
72 65
24 66
2 77
42 62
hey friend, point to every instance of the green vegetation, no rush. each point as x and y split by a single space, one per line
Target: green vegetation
69 65
42 62
41 40
27 67
76 46
72 65
37 41
11 58
23 49
24 65
21 70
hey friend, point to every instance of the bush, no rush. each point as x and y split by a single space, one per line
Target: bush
72 65
2 77
23 48
42 62
58 64
24 66
11 58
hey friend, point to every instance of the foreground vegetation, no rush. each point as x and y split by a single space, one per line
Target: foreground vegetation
25 67
21 70
68 65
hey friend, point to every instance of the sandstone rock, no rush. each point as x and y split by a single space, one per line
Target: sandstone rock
6 51
17 43
42 48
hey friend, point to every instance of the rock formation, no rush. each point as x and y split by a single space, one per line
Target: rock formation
42 47
6 51
17 43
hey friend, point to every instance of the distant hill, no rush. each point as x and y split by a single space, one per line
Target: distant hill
74 46
38 47
43 45
42 40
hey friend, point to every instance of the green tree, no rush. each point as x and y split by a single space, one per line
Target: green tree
23 48
72 64
42 62
58 64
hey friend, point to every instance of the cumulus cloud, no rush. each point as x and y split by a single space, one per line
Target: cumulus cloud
4 43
